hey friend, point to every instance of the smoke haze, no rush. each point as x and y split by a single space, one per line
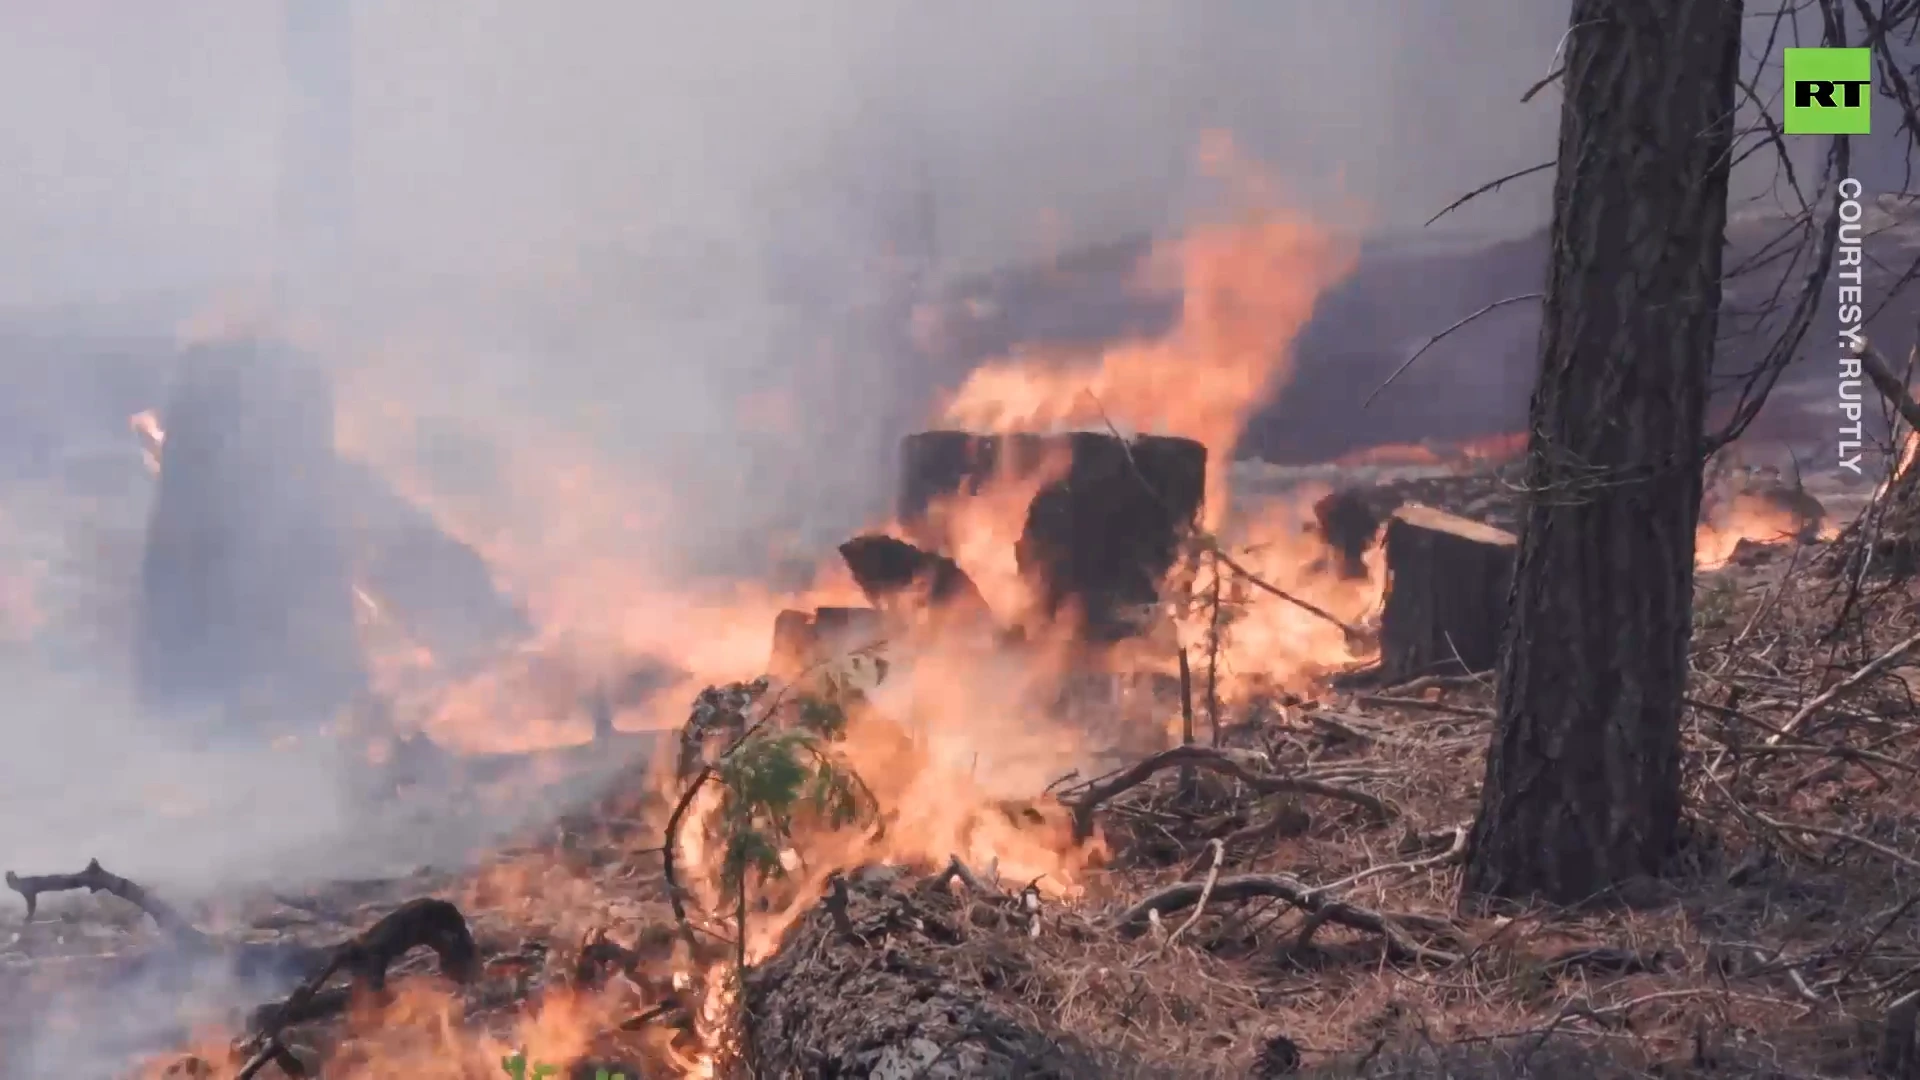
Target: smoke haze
677 243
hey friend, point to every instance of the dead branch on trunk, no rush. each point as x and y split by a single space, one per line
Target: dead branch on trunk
1223 763
1311 901
1891 386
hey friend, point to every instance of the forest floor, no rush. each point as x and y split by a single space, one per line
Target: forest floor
1284 905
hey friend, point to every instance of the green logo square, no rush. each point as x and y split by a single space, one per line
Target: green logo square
1829 91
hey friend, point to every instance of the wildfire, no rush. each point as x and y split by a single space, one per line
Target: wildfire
1248 285
954 744
1747 516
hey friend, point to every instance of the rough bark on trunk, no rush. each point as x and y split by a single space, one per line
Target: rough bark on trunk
1447 585
1582 788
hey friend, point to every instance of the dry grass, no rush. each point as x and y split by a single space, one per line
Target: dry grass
1788 923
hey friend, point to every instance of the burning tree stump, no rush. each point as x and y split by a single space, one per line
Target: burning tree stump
1447 584
247 596
1348 525
873 982
890 571
1100 534
801 641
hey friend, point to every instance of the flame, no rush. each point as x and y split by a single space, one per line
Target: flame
1744 517
954 743
146 426
1248 286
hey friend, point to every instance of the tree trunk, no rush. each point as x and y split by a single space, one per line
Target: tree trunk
1448 581
1582 787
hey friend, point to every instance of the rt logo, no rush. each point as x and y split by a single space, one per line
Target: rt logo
1828 91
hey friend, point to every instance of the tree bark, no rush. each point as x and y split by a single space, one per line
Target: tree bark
1582 787
1448 581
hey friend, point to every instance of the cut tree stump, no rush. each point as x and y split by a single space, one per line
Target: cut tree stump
246 592
892 572
802 641
1098 538
1447 584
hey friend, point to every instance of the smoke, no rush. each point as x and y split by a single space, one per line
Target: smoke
604 261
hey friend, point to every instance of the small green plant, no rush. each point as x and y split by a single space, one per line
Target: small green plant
777 778
1713 602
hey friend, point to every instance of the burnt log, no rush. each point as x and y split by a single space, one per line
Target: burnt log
1348 524
874 981
802 641
1104 527
1447 584
892 573
246 595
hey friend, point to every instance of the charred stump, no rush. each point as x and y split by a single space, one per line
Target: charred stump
1104 527
873 982
246 592
1447 584
892 572
802 640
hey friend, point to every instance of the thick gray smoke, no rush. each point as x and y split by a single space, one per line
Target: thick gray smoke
684 237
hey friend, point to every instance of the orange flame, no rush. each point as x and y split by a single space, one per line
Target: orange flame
1248 286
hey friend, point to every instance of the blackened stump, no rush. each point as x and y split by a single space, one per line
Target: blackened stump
888 569
1447 585
1348 524
246 594
1102 531
802 641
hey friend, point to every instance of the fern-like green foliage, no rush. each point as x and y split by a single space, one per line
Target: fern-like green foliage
778 776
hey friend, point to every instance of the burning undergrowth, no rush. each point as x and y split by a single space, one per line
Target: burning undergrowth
1039 779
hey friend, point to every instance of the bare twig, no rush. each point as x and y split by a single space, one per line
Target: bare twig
1874 667
1216 761
1353 633
1437 338
1279 886
1200 905
1490 186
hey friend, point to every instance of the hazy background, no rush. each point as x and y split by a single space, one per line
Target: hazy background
676 241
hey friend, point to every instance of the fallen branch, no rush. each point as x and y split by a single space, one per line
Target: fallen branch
1279 886
1354 635
96 880
1429 682
1200 905
364 958
1423 705
1822 700
1215 761
1456 848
